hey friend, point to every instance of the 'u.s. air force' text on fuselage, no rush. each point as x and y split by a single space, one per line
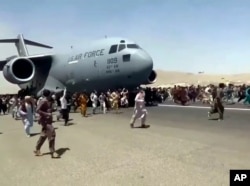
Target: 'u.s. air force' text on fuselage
95 53
112 66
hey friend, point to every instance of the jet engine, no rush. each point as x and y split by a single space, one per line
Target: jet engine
152 77
19 70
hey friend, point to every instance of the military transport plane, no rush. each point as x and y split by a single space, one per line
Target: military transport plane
108 63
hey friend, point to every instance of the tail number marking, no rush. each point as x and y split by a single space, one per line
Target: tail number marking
112 66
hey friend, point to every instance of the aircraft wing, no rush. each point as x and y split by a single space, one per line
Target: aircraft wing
35 58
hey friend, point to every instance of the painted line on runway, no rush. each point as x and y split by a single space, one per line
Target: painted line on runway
202 107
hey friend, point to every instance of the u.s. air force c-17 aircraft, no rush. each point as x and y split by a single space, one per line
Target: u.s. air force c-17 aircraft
108 63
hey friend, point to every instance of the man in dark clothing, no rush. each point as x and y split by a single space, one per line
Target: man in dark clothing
44 109
242 93
217 106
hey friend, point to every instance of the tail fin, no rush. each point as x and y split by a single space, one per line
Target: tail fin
21 43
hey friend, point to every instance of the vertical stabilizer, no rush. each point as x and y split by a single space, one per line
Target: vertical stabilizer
21 47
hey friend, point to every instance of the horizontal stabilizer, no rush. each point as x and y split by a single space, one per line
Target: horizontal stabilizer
26 41
8 40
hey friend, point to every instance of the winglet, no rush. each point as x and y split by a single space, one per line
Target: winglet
21 43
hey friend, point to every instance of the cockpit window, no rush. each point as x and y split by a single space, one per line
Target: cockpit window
132 46
121 47
113 49
126 58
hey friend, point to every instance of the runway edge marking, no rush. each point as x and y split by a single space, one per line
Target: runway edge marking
202 107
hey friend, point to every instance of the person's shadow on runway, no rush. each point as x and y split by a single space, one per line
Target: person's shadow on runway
34 134
59 152
141 127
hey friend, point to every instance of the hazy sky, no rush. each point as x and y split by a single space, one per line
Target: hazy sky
180 35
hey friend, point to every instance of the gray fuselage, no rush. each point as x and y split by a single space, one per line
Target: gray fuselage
97 67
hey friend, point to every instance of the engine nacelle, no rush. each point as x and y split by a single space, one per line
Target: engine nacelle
19 70
152 77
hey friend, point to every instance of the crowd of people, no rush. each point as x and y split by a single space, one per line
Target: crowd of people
124 98
29 108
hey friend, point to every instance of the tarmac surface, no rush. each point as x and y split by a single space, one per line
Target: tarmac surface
182 147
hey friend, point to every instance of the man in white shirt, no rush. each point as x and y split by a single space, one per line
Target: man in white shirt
64 108
102 100
124 99
140 111
94 100
12 104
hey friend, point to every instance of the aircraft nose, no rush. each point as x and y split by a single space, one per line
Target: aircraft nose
144 61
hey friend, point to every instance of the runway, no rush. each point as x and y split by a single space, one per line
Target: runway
184 119
182 147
